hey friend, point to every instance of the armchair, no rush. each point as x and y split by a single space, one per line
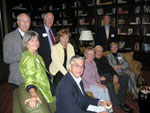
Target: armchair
19 96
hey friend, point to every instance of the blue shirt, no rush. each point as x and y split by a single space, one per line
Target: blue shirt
107 27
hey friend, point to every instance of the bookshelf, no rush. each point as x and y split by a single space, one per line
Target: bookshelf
130 17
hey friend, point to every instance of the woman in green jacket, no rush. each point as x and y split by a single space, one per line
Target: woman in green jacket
33 71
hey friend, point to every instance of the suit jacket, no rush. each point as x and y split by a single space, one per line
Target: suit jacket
12 54
44 49
32 69
122 62
69 97
58 58
102 40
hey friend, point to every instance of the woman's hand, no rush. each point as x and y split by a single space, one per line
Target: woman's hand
116 67
32 101
101 85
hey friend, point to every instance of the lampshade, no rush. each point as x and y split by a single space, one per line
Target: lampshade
86 35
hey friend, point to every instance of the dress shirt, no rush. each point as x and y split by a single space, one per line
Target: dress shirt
77 80
49 38
21 32
107 29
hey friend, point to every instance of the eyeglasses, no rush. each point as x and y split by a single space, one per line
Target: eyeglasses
77 66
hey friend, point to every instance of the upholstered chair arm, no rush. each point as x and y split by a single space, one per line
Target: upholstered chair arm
137 67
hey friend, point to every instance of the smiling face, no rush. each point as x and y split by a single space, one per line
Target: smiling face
33 44
23 22
90 55
114 48
99 52
64 40
49 20
77 67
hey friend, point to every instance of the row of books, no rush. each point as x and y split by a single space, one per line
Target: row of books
144 46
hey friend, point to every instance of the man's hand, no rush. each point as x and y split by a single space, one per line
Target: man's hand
115 78
102 78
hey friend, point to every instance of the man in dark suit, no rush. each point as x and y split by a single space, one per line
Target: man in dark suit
106 34
70 94
105 70
12 49
47 38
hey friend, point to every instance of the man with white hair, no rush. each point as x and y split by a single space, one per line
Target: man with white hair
111 77
70 93
12 49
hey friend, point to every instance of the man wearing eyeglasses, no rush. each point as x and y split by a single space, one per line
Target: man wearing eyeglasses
70 94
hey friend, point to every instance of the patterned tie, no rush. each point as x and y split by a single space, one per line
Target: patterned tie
51 37
107 33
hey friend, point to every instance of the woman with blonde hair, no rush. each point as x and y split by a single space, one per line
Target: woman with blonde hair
91 78
121 66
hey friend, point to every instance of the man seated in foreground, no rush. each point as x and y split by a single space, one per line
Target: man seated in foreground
70 94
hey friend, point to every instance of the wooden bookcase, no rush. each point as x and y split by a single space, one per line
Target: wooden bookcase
130 17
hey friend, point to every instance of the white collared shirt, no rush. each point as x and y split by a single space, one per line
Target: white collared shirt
21 32
77 80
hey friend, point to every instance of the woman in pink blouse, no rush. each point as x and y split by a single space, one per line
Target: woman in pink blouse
91 79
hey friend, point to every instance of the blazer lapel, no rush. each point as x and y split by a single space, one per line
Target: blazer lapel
76 86
104 31
113 59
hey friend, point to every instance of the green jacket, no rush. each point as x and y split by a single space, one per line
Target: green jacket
32 69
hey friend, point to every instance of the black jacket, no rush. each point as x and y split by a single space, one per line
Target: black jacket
44 49
101 37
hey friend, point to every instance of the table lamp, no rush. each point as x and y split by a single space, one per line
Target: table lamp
86 36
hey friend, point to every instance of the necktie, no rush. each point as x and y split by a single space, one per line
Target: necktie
107 33
51 37
81 86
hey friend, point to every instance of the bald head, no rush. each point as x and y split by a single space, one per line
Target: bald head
48 19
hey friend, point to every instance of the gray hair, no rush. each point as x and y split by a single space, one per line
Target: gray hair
27 37
48 13
98 46
18 17
76 57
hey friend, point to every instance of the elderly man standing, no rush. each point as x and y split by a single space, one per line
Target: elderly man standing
12 49
47 38
70 94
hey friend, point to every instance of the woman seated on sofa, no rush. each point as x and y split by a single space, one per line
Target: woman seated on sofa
32 69
120 65
91 79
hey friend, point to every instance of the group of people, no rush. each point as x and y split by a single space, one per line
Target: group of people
44 59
